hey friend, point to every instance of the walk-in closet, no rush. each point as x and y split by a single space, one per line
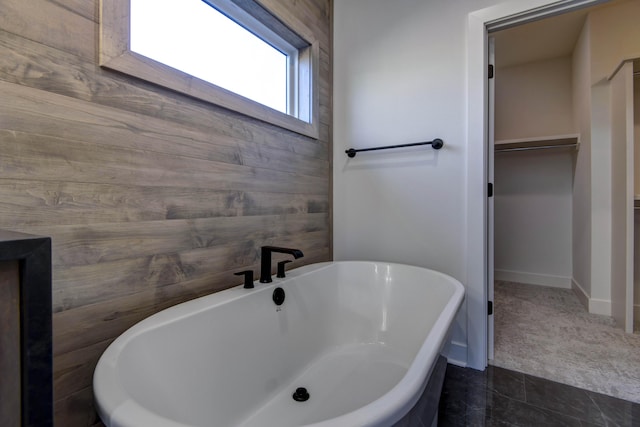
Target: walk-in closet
566 235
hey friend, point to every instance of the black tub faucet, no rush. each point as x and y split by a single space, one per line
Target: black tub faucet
248 278
265 260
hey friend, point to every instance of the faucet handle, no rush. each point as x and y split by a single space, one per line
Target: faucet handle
281 264
248 278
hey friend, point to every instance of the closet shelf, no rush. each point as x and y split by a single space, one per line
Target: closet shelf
539 143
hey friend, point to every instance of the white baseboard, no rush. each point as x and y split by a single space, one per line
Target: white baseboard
457 354
580 293
593 305
533 278
600 306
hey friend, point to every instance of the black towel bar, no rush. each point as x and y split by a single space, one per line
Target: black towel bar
436 144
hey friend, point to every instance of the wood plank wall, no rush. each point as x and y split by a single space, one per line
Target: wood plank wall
151 197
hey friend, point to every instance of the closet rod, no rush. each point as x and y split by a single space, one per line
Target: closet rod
539 147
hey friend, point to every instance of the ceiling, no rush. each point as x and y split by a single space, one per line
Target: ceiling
544 39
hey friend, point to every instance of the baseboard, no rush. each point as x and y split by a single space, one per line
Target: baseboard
636 318
592 305
457 354
580 293
533 279
600 306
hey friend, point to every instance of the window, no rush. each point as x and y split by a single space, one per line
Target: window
232 53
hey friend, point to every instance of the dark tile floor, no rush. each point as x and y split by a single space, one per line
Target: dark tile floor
499 397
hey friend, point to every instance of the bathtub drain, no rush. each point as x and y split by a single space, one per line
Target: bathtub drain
301 395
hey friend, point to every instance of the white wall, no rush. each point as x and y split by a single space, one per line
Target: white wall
534 99
581 221
636 269
610 35
615 33
636 131
621 95
533 215
636 135
533 189
400 77
396 82
601 237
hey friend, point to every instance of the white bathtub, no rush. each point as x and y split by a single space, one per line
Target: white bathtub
361 337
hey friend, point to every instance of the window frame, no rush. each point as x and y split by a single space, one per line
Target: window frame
116 54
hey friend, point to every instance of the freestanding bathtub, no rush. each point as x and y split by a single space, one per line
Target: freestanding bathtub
361 337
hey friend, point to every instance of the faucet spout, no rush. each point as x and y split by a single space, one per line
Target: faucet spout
297 253
265 260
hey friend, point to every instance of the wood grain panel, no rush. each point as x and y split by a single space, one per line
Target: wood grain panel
74 369
90 324
10 383
304 11
87 9
91 283
59 72
76 409
76 161
185 137
81 121
49 23
77 245
151 197
31 204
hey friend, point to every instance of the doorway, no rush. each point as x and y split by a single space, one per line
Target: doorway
538 228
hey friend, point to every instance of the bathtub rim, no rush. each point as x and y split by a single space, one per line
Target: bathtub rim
113 401
409 389
112 398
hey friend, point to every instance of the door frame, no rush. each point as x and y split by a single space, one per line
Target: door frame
622 283
480 24
491 116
